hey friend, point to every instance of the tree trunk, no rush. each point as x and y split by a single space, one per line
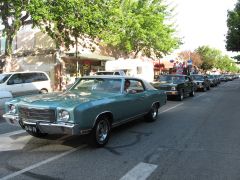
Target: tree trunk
8 64
8 52
9 43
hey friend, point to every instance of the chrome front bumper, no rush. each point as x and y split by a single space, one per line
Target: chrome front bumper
172 93
47 127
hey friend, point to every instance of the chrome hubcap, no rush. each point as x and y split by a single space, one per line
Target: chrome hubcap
154 112
102 131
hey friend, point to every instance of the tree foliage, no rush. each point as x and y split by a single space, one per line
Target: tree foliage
233 34
141 26
13 15
214 58
67 20
195 57
131 26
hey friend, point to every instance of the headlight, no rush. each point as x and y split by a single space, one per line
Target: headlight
63 115
12 108
173 88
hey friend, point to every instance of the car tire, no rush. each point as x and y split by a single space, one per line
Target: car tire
208 88
192 93
37 134
152 114
180 96
101 132
43 91
205 89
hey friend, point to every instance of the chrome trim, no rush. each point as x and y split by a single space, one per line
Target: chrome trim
100 115
172 92
128 119
155 103
11 119
47 127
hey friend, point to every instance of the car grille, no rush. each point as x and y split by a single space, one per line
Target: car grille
37 114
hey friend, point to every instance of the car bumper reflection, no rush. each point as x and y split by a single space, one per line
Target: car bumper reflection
46 127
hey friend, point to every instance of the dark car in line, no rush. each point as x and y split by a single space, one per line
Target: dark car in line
201 81
213 80
175 85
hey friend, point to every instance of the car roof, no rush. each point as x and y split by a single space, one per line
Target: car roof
17 72
110 71
111 77
174 75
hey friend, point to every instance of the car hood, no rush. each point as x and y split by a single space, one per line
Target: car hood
166 84
65 99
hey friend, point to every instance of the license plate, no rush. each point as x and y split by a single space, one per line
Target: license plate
30 128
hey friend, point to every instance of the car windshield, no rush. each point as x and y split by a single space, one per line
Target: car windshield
211 77
4 77
198 78
97 85
172 79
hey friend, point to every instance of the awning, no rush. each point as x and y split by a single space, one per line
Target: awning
91 57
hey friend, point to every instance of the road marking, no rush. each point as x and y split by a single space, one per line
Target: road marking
13 133
140 172
200 96
170 108
9 143
41 163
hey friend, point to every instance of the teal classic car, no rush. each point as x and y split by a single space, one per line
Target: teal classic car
93 105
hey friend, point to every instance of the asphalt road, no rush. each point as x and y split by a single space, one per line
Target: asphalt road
198 138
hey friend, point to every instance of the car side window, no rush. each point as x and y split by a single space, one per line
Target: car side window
28 77
187 79
15 79
40 77
134 86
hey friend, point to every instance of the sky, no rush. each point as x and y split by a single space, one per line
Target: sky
202 22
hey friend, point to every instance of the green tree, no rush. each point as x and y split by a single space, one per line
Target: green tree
141 26
67 20
209 57
13 15
233 34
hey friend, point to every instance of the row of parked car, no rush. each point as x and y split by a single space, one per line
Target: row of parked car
93 105
180 86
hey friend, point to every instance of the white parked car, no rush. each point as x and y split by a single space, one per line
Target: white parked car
24 83
4 96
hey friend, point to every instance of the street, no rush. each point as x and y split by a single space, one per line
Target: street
197 138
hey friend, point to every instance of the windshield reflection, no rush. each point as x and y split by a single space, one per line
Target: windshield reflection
97 85
197 77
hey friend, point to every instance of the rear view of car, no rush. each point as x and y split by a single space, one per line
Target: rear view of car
201 81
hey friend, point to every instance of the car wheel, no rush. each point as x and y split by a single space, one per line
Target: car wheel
204 89
101 132
37 133
180 96
192 93
43 91
152 114
208 88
